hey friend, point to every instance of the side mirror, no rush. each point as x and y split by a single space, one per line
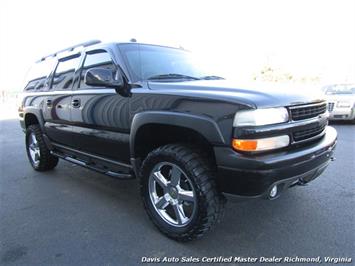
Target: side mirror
102 77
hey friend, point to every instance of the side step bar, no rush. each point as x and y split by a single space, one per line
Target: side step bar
93 167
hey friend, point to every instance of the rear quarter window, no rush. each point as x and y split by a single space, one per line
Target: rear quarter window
37 76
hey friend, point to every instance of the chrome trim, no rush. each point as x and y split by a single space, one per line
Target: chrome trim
306 105
33 149
172 192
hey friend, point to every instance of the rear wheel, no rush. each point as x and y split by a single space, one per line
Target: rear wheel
179 192
37 152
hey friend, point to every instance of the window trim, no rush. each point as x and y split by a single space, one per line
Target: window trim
63 59
47 76
90 52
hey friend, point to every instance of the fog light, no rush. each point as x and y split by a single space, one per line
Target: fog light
273 192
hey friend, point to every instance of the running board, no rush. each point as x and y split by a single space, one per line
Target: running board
92 167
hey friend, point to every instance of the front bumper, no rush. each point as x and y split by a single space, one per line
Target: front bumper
342 114
255 175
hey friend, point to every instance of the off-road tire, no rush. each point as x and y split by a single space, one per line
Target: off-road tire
46 161
209 202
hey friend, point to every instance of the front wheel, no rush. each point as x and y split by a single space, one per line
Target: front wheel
37 152
179 192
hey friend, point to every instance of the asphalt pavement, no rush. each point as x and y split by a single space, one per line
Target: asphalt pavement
73 216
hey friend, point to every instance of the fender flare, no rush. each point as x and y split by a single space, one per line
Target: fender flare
36 112
203 125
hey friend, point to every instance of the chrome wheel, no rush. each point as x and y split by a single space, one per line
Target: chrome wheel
33 149
172 194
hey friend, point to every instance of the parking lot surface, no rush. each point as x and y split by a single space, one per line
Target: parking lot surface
73 216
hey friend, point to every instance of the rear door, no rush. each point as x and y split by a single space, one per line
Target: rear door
57 104
101 117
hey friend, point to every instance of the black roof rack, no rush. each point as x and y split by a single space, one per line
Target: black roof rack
71 48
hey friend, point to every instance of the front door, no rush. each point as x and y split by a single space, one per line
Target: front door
57 103
101 117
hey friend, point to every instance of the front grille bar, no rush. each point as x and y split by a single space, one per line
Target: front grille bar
302 112
308 133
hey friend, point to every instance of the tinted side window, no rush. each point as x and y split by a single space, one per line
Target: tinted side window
64 73
36 78
99 59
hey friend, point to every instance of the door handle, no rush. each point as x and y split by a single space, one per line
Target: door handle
49 103
76 103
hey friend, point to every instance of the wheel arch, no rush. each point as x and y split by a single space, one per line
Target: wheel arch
33 116
30 119
153 129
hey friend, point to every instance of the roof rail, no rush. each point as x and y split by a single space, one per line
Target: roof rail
71 48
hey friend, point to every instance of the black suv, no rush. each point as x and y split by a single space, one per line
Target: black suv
135 110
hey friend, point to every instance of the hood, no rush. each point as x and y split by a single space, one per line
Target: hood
341 98
256 95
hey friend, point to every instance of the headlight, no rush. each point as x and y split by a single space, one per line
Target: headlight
263 144
343 104
260 117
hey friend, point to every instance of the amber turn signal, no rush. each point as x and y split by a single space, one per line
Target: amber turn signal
261 144
245 145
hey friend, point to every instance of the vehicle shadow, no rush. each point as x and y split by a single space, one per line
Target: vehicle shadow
250 227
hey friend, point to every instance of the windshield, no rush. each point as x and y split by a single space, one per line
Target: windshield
149 62
341 89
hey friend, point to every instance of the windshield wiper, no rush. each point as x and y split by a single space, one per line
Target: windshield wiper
172 76
211 77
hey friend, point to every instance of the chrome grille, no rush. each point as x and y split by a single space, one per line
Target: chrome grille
307 111
330 107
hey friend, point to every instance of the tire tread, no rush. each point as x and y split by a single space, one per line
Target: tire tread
212 202
47 160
